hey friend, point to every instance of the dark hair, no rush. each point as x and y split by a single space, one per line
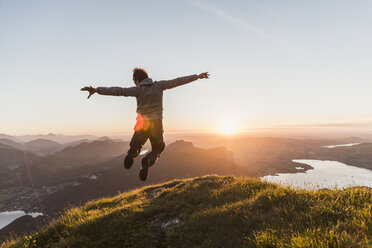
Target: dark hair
139 74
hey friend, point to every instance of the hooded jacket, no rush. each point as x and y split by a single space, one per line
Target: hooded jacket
149 94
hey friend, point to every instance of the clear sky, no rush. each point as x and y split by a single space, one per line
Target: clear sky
272 63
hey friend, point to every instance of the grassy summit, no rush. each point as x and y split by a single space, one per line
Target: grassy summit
215 211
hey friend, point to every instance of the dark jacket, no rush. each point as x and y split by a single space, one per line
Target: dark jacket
149 94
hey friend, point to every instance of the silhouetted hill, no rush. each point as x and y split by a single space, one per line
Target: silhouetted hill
11 143
352 139
70 163
12 160
215 211
181 146
11 157
43 146
5 136
23 225
87 152
77 142
357 155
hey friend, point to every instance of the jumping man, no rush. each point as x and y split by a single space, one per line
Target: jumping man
149 95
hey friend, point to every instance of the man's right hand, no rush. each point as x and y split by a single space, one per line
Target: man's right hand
90 89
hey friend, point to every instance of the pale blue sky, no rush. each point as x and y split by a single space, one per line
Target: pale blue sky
272 63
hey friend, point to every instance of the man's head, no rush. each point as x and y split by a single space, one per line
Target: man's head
139 74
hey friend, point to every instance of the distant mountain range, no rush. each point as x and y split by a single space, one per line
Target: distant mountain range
39 146
57 167
60 138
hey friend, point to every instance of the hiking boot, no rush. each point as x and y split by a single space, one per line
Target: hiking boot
152 158
145 169
128 161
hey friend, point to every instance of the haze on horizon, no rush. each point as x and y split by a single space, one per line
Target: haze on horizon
273 64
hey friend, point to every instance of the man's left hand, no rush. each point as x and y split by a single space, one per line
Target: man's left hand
203 75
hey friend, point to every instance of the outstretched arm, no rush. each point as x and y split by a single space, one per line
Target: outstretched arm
112 91
168 84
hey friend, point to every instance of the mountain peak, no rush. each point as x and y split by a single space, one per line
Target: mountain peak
181 145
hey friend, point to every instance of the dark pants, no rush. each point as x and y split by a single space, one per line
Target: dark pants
144 130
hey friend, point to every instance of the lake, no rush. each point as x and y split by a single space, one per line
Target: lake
9 216
350 144
326 174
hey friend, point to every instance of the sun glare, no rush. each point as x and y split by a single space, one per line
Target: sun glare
228 128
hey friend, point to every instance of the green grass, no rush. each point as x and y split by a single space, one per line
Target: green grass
215 211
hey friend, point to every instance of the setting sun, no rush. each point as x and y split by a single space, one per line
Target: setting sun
228 128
